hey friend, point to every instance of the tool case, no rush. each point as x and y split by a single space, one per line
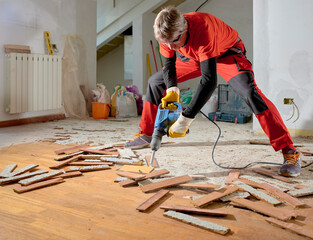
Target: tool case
231 107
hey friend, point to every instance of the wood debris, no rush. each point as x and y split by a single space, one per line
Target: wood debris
126 153
24 170
8 170
39 178
201 211
282 195
165 183
272 175
258 194
301 192
152 200
38 185
197 222
261 207
90 168
232 176
136 169
209 198
292 227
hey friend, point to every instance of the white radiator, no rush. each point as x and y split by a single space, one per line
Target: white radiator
33 82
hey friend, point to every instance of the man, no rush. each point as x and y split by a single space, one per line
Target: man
207 46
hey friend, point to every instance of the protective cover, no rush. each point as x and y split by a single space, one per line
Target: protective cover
75 78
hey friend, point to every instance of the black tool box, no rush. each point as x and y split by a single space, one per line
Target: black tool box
231 107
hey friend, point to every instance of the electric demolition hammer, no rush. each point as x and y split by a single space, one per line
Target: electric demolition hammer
164 120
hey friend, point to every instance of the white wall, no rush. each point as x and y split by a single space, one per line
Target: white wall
23 22
283 58
110 70
236 13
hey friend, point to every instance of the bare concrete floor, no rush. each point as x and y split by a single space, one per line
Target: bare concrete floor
189 155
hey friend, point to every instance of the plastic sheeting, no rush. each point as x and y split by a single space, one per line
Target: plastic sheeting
74 79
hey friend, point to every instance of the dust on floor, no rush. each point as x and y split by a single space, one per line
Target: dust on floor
189 155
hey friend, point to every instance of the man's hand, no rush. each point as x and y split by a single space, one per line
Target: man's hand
172 95
180 127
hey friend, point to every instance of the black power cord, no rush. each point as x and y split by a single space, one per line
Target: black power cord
201 5
248 165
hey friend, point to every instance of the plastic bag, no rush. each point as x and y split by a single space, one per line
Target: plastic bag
101 94
137 95
211 105
126 105
186 97
118 89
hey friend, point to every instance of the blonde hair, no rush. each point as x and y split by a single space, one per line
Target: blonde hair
169 23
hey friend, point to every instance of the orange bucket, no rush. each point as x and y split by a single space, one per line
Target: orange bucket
100 110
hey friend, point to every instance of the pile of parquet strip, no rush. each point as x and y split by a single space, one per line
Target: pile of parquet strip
259 194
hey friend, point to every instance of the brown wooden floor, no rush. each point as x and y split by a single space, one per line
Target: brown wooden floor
93 207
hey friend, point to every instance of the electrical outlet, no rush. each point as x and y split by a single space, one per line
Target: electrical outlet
288 100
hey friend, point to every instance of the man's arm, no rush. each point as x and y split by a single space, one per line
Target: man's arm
169 72
205 88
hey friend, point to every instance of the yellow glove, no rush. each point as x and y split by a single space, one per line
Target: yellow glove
180 127
172 95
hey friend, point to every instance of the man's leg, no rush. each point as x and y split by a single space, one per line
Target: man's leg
237 71
185 70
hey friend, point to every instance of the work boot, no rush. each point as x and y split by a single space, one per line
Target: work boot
140 141
292 165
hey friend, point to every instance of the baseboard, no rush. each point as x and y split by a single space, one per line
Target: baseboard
39 119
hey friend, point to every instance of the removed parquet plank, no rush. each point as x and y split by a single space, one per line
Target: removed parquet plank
90 168
69 174
300 186
38 185
94 151
121 161
233 175
258 194
292 227
70 150
136 169
261 207
199 185
130 182
89 163
282 195
24 170
39 178
68 156
65 162
154 162
272 175
195 210
301 192
134 176
165 183
22 176
208 198
152 200
197 222
94 156
305 151
126 153
7 171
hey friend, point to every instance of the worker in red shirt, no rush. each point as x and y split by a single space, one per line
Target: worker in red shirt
206 46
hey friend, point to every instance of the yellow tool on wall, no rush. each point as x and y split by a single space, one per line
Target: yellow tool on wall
48 42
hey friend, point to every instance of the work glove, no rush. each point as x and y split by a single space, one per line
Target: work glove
180 127
172 95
